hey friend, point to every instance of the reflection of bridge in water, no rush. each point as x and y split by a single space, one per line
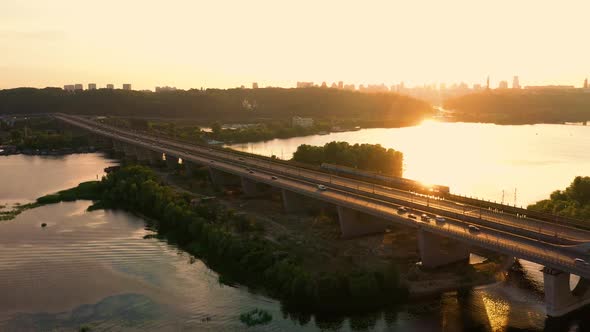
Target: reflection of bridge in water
365 208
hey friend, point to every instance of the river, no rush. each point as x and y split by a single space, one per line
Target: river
474 159
97 269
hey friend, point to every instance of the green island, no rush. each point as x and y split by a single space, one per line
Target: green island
367 157
573 202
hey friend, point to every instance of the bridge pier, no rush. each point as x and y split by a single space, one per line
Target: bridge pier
252 188
559 299
189 168
118 146
293 202
143 155
438 250
129 152
156 158
354 223
100 142
220 178
171 161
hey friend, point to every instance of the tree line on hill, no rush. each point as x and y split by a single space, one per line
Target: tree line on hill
522 106
384 109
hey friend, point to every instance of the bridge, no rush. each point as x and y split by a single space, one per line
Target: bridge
365 208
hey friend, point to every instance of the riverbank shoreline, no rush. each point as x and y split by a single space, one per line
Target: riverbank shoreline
12 151
333 256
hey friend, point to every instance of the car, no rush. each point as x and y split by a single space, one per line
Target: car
212 161
251 171
424 217
579 261
401 210
322 187
274 177
473 228
242 159
440 219
412 216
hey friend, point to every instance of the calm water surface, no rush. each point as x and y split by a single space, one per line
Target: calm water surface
24 178
95 268
479 160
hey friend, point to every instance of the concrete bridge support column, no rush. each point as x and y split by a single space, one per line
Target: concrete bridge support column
156 158
143 155
354 223
252 188
118 146
189 168
99 141
438 250
129 151
171 162
220 178
559 299
293 202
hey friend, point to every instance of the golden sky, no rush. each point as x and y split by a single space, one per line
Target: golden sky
221 43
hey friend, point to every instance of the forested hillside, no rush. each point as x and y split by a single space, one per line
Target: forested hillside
234 104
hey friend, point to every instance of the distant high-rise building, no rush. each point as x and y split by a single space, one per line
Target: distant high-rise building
165 88
340 85
91 86
69 87
488 83
324 85
78 87
334 85
586 83
255 85
304 84
126 86
503 85
110 86
515 83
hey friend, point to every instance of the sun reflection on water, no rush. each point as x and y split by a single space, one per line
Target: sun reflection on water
497 312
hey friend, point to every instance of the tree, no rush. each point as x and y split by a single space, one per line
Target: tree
216 128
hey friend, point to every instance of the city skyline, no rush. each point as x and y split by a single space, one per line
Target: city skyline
396 87
187 44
